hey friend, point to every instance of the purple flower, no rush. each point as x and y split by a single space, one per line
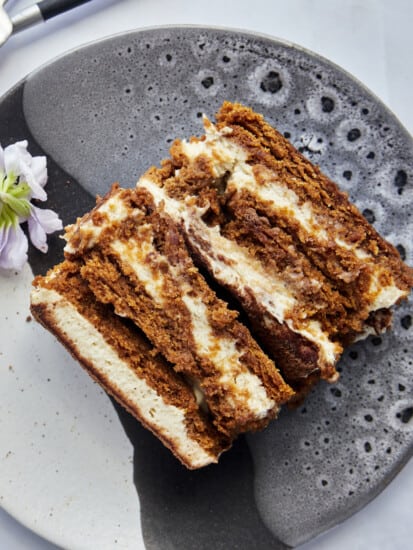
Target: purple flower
22 178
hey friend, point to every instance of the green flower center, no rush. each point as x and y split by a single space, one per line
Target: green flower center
14 199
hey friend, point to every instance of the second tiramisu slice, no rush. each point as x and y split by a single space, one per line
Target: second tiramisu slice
135 259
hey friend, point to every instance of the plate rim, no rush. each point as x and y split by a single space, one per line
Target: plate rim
224 29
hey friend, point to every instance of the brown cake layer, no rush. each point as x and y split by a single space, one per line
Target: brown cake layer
119 357
140 264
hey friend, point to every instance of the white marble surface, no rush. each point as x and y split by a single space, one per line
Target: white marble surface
371 39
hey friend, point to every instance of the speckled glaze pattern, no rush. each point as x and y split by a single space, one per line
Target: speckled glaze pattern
110 110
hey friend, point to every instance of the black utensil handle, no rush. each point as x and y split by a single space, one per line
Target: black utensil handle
50 8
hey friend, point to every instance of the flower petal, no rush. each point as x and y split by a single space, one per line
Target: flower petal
40 223
37 191
19 162
14 155
48 219
35 175
37 235
39 170
13 250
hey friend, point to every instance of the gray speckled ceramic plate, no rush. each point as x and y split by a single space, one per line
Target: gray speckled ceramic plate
68 462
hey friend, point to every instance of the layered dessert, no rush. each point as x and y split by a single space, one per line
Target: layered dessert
226 283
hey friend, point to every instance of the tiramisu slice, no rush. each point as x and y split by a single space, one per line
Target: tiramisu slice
118 356
135 259
311 273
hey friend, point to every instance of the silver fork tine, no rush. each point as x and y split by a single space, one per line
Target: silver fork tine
6 26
